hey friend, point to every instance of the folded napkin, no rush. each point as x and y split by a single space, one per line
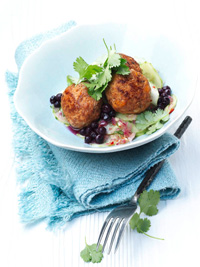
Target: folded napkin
59 185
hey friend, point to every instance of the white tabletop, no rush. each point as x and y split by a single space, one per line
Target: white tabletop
177 221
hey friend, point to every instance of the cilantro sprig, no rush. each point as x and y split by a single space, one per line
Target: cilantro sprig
148 122
97 76
89 253
148 202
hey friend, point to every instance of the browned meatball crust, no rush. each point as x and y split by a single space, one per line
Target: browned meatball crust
131 63
79 108
129 94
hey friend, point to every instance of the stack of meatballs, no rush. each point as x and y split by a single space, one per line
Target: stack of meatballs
127 94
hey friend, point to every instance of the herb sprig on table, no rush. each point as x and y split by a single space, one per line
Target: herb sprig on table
148 202
97 76
89 253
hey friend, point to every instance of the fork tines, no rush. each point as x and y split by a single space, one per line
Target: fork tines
112 221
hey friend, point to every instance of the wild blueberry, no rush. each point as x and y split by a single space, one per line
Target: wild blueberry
166 101
88 130
94 124
93 134
105 117
99 139
102 130
58 97
112 113
52 99
160 90
168 91
88 139
106 108
82 131
166 87
57 104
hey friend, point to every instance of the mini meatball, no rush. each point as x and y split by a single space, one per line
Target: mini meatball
131 63
129 94
79 108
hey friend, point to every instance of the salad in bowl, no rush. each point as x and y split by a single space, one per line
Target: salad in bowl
114 100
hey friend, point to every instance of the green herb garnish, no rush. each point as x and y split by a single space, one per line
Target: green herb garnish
97 76
89 253
148 122
148 202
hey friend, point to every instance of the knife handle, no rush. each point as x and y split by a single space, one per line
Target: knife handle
151 173
183 126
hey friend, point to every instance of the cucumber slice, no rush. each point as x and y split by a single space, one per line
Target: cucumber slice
172 105
151 74
59 116
126 117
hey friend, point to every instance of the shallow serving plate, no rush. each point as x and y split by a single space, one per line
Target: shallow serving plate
44 74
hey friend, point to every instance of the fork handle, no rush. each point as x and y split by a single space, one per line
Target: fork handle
151 173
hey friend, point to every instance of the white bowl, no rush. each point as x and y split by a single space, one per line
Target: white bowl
44 74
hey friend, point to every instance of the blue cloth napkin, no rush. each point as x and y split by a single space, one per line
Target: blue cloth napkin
59 185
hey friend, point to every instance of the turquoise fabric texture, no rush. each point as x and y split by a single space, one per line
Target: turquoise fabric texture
58 185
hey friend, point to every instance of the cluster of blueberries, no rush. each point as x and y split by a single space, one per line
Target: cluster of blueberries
96 131
164 99
56 100
107 112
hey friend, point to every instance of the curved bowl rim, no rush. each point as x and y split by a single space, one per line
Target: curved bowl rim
91 149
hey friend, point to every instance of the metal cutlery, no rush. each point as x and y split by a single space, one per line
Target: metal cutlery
123 213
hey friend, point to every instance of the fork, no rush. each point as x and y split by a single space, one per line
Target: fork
123 213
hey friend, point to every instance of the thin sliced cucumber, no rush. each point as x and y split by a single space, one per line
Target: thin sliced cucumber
151 74
172 105
126 117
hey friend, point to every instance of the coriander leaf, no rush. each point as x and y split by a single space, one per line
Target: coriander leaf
100 61
158 125
162 115
85 254
149 116
103 87
91 70
123 69
71 80
89 253
148 202
85 71
152 210
166 118
97 76
80 66
143 225
103 77
97 95
134 220
94 91
146 120
113 59
97 256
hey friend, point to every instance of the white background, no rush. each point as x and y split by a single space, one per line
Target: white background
177 221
